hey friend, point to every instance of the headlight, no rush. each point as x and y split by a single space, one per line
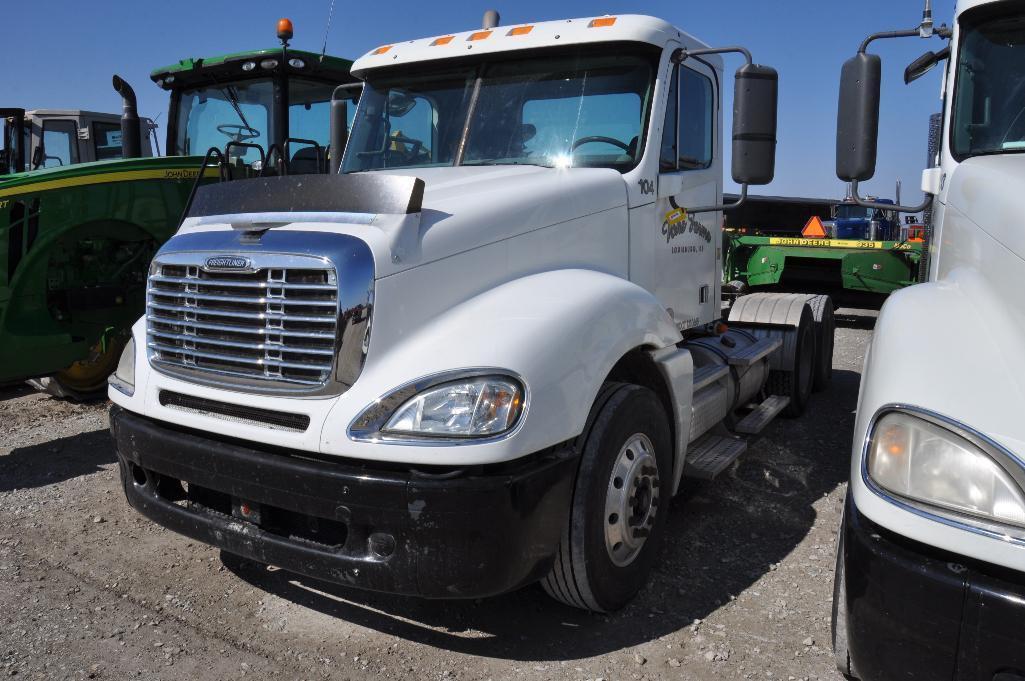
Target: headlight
124 377
926 462
475 407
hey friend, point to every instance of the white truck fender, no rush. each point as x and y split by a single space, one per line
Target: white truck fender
561 332
938 347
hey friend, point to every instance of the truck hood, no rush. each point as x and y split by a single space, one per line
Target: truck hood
990 191
467 207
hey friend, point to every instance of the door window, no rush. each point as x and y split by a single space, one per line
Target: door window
688 133
60 144
107 140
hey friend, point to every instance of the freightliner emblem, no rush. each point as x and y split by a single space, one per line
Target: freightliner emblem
228 262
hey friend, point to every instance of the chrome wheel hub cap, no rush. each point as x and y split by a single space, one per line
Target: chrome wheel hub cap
631 502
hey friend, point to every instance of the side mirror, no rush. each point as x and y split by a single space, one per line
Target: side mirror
924 65
755 98
857 118
38 157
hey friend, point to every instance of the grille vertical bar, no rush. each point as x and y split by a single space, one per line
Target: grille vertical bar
269 325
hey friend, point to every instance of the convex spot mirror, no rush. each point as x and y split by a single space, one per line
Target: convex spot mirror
755 98
857 118
399 104
924 64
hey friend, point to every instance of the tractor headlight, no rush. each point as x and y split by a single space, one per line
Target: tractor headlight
927 462
474 407
124 377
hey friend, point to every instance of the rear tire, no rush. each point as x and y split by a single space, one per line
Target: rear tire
797 383
825 330
620 502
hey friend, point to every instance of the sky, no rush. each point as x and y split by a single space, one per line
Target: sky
70 63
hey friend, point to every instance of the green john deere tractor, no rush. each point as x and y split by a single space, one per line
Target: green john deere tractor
78 230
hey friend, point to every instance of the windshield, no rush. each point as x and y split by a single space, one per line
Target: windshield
989 96
215 115
576 110
852 211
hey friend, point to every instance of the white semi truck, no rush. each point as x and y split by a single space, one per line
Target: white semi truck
489 349
930 579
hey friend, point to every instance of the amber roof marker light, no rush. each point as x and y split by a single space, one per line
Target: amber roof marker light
285 30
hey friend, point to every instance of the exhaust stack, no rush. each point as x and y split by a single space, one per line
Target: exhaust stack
131 136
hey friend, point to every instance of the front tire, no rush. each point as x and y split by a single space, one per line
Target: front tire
841 653
620 502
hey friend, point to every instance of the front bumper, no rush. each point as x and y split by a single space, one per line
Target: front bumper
454 535
918 613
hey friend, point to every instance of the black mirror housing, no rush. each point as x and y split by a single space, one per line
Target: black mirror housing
857 118
920 67
755 100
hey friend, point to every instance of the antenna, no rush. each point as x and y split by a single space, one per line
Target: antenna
925 29
327 30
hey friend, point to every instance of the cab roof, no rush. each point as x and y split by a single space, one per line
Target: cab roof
200 71
518 37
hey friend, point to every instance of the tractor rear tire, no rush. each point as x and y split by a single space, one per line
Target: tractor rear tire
85 380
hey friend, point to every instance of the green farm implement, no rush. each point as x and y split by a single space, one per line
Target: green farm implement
857 258
77 231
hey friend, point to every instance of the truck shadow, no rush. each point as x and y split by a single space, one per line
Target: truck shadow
853 318
56 460
722 537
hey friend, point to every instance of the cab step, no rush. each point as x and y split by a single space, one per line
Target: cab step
756 352
710 455
762 415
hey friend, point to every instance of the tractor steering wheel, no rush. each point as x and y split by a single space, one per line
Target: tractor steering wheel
598 138
238 132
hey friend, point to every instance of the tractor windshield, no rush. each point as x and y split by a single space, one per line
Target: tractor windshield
212 116
562 110
989 93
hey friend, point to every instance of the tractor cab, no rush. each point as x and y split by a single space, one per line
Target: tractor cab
256 113
56 138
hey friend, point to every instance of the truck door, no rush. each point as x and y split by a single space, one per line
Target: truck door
686 256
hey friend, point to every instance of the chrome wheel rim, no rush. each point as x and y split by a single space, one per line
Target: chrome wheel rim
631 501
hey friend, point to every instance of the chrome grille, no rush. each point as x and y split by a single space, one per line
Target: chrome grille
264 325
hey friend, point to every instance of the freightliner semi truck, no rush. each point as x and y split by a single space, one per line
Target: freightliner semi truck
488 351
76 237
930 578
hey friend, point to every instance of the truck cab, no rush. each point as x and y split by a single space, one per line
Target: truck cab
930 576
488 350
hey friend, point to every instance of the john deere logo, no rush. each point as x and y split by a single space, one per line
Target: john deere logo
227 262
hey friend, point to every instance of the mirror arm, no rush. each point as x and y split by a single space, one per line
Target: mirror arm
723 207
681 54
941 32
888 206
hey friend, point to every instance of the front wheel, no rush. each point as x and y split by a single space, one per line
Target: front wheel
620 502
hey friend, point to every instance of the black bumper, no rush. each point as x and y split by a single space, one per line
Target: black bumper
918 613
453 536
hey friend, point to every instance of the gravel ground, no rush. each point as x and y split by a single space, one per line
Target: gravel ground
90 589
